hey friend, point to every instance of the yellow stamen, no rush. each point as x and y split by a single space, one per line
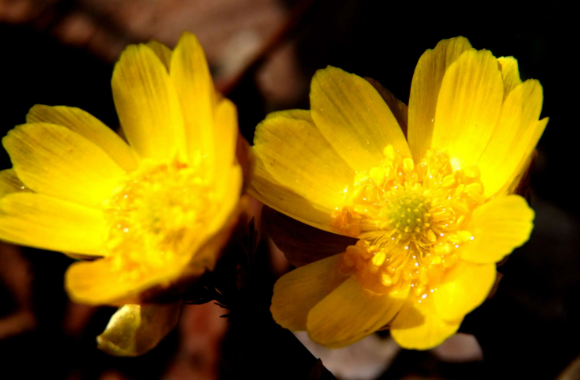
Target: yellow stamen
157 215
409 218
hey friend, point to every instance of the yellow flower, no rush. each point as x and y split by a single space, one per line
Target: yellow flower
432 213
154 212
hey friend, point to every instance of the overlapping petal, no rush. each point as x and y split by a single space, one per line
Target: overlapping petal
510 74
468 107
463 288
419 327
297 156
283 199
111 281
511 140
41 221
10 183
148 105
296 293
353 118
56 161
498 227
524 165
89 127
162 52
425 88
197 99
351 312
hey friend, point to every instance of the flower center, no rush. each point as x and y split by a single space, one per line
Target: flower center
410 220
156 215
406 213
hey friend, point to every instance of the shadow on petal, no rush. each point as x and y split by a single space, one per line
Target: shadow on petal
301 243
398 108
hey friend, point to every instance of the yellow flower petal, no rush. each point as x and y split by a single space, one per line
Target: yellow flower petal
417 326
281 198
54 160
523 166
87 126
147 105
227 196
297 156
192 81
468 107
353 118
510 74
510 144
538 132
297 292
10 183
226 129
103 282
463 288
45 222
425 90
498 227
162 52
135 329
206 255
351 312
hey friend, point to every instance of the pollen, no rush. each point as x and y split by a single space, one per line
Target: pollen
410 218
156 215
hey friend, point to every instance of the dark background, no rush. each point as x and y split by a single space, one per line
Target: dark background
530 329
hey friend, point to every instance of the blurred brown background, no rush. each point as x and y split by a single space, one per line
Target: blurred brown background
262 54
